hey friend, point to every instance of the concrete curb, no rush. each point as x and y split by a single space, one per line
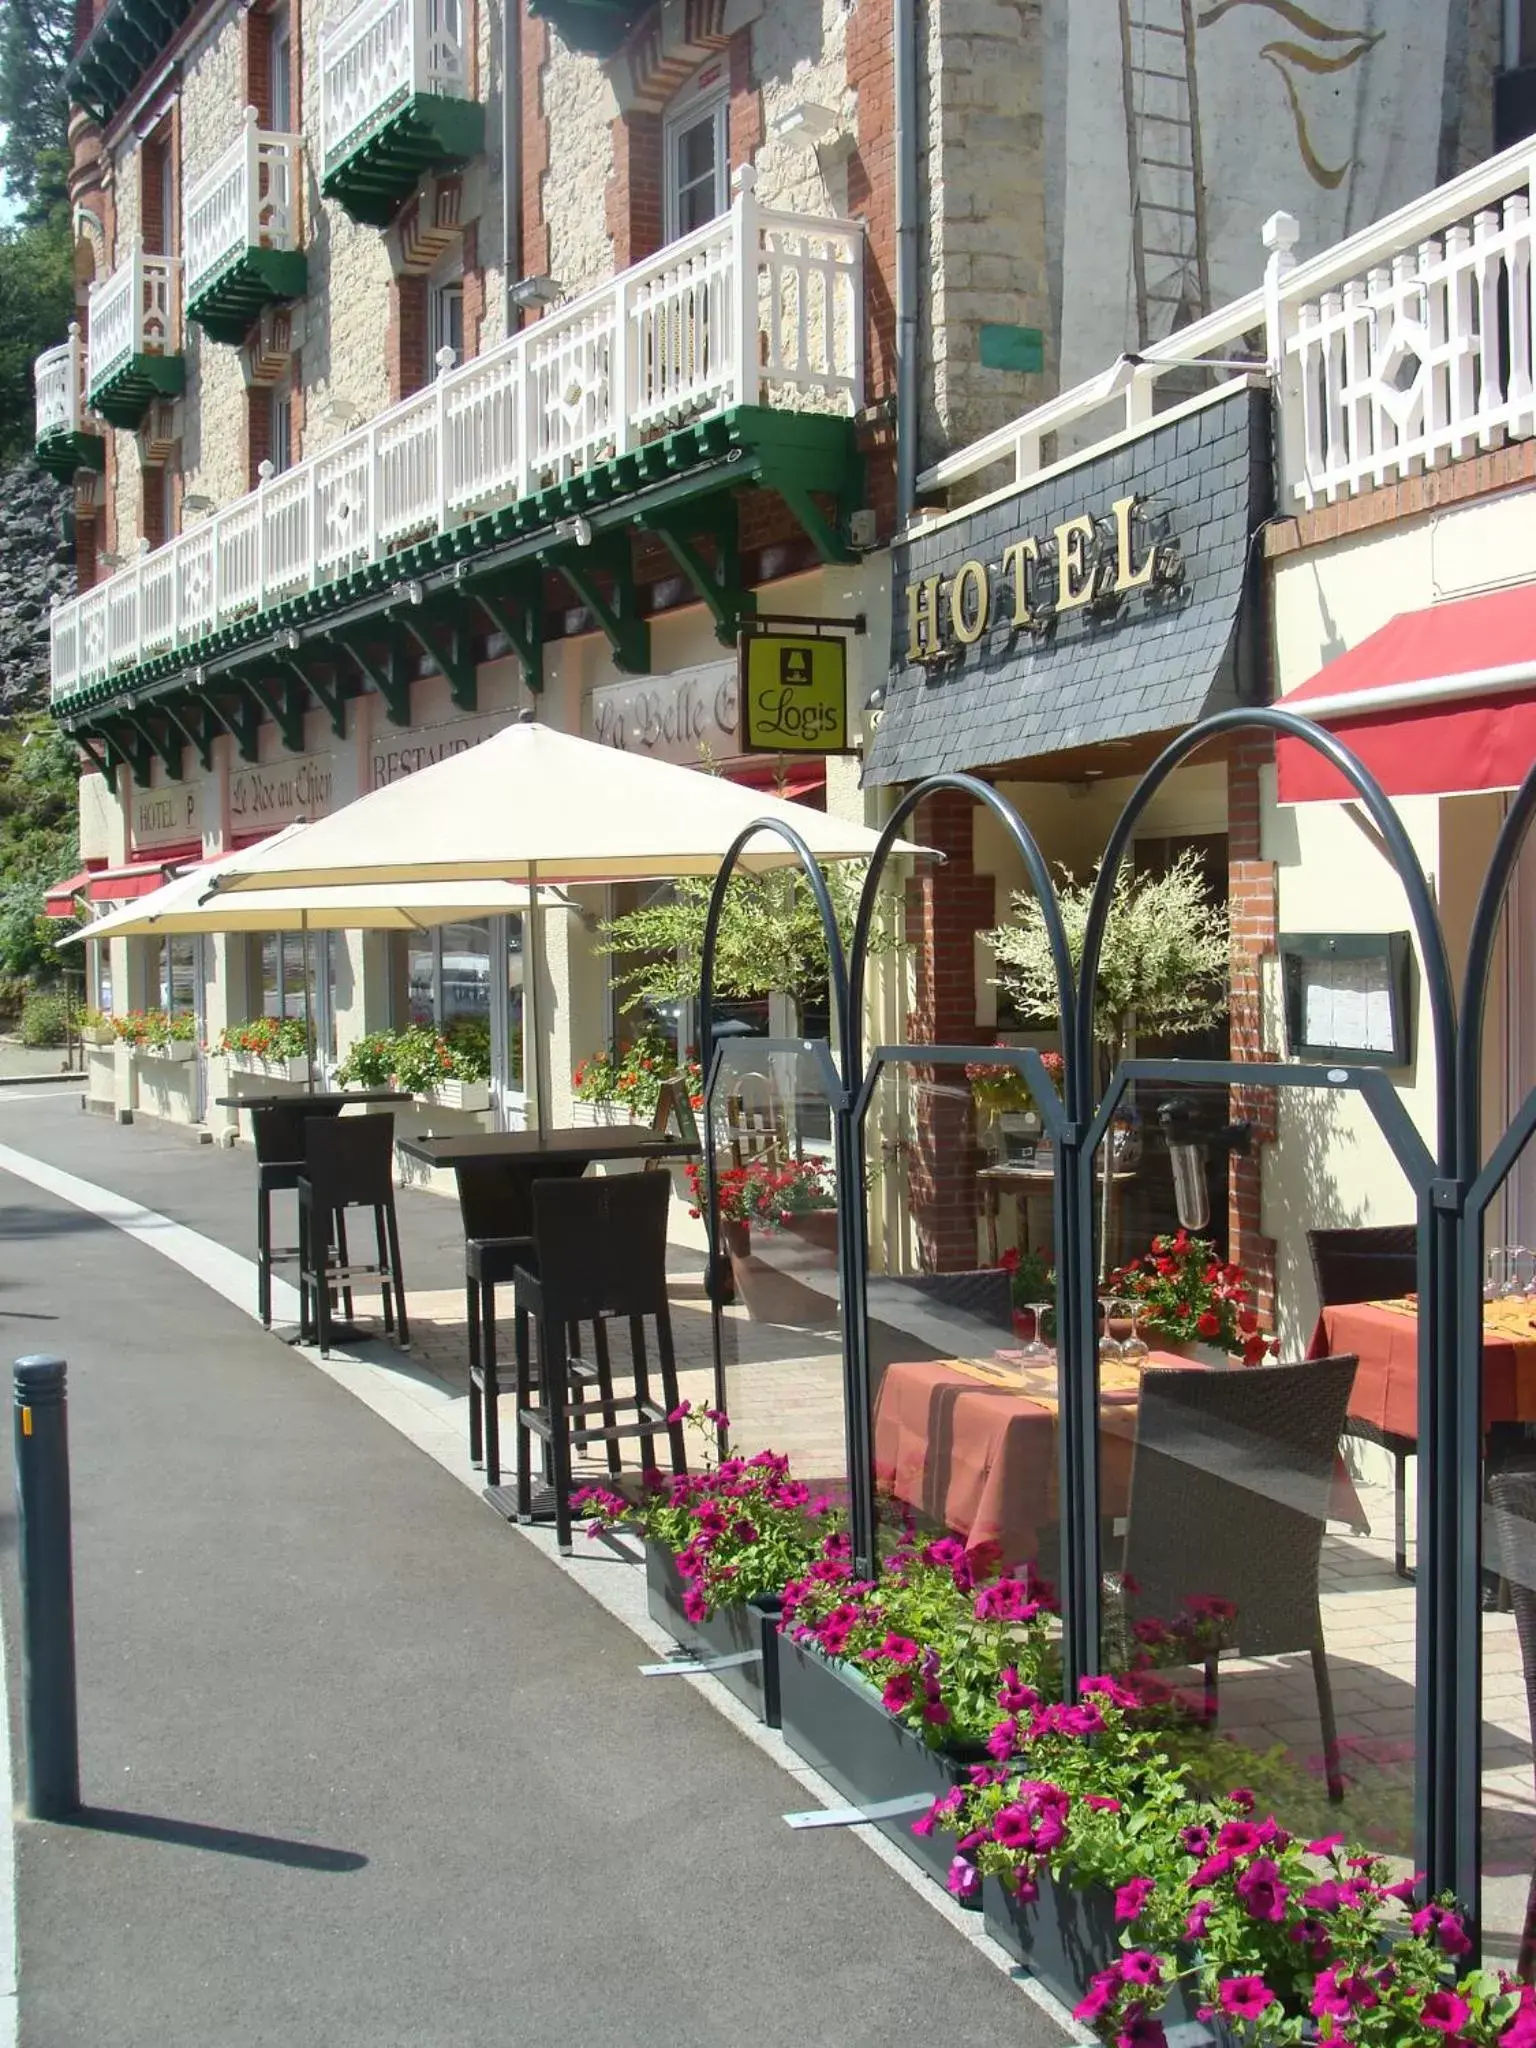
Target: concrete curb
40 1080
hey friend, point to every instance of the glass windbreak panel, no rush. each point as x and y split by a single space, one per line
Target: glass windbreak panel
1509 1576
781 1344
465 1021
297 962
102 952
1252 1398
961 1324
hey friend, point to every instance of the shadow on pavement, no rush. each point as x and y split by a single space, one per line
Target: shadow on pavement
191 1834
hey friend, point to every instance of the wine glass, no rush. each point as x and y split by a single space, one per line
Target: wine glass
1035 1346
1134 1348
1495 1274
1520 1267
1109 1345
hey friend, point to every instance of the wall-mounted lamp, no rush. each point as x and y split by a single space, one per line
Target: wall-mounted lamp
577 529
537 290
1189 1146
194 505
875 701
340 411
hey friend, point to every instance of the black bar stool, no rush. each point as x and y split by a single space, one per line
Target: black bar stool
278 1131
602 1256
348 1164
496 1206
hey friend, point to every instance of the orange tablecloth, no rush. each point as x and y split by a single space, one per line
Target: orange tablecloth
1386 1342
982 1459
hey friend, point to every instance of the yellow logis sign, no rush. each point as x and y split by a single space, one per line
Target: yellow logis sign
794 694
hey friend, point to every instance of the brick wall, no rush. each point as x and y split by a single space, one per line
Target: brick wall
256 58
258 434
872 198
947 904
1474 476
633 205
1253 909
744 120
474 290
535 230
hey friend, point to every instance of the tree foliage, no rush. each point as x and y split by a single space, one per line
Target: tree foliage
35 44
770 940
36 300
39 840
1163 968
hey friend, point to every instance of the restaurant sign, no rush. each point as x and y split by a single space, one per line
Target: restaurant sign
794 693
280 792
1089 563
689 717
394 754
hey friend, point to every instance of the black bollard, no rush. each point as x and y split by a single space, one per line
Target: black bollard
47 1590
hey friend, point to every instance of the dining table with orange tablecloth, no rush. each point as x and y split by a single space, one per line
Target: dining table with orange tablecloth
972 1446
1384 1336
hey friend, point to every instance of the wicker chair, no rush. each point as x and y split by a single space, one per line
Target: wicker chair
1512 1526
1379 1264
1229 1495
985 1293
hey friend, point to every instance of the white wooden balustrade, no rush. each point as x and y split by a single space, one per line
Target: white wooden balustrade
133 313
380 55
58 381
756 308
1403 346
246 201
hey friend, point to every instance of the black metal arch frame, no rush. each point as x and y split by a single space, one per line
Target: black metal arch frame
1451 1183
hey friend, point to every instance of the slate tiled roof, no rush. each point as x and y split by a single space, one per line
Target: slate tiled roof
1157 665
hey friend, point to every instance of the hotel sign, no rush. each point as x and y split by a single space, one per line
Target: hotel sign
1085 563
165 817
794 697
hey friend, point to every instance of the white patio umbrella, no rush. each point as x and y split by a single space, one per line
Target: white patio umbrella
185 905
538 806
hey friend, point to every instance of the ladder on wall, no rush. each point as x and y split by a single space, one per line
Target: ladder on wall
1162 129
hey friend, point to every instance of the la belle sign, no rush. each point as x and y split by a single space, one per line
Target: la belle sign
1084 561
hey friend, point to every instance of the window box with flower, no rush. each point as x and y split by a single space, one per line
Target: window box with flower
96 1028
158 1034
720 1545
274 1047
609 1088
1006 1107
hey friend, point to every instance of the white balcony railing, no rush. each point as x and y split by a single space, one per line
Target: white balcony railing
248 200
58 380
1402 347
757 307
379 56
134 313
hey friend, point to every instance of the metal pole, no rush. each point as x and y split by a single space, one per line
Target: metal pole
311 1050
47 1589
533 1031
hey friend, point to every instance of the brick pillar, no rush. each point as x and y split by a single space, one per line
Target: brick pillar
256 64
474 291
85 549
258 433
872 199
535 229
1254 911
946 906
405 337
744 119
633 202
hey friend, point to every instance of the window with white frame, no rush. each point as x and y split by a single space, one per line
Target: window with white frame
447 979
445 307
280 430
697 155
279 60
101 975
176 959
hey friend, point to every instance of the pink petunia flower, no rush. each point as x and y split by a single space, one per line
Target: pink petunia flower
1445 2012
1244 1998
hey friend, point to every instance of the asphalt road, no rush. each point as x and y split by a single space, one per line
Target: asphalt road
362 1767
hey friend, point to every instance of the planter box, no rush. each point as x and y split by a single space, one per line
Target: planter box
834 1719
270 1070
1065 1938
728 1632
587 1116
177 1050
816 1227
466 1095
97 1034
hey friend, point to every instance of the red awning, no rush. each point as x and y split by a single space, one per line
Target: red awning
60 902
139 878
1435 703
797 780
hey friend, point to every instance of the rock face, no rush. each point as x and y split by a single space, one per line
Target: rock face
37 565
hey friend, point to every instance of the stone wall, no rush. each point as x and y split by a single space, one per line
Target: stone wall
213 430
580 107
35 569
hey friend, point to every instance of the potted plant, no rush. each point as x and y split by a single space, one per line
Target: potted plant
454 1071
1163 967
369 1061
720 1545
277 1047
1189 1301
1004 1097
625 1088
1031 1283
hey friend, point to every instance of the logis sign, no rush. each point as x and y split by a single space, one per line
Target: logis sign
1085 563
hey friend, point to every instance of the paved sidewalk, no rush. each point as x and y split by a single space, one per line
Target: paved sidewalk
364 1767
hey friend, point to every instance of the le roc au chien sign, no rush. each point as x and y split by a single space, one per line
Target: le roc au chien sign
1086 563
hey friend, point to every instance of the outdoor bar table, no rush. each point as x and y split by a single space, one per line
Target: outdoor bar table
323 1102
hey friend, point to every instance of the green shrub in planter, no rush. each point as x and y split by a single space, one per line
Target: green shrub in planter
44 1019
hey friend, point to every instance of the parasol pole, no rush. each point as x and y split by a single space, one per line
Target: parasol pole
310 1048
533 1034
